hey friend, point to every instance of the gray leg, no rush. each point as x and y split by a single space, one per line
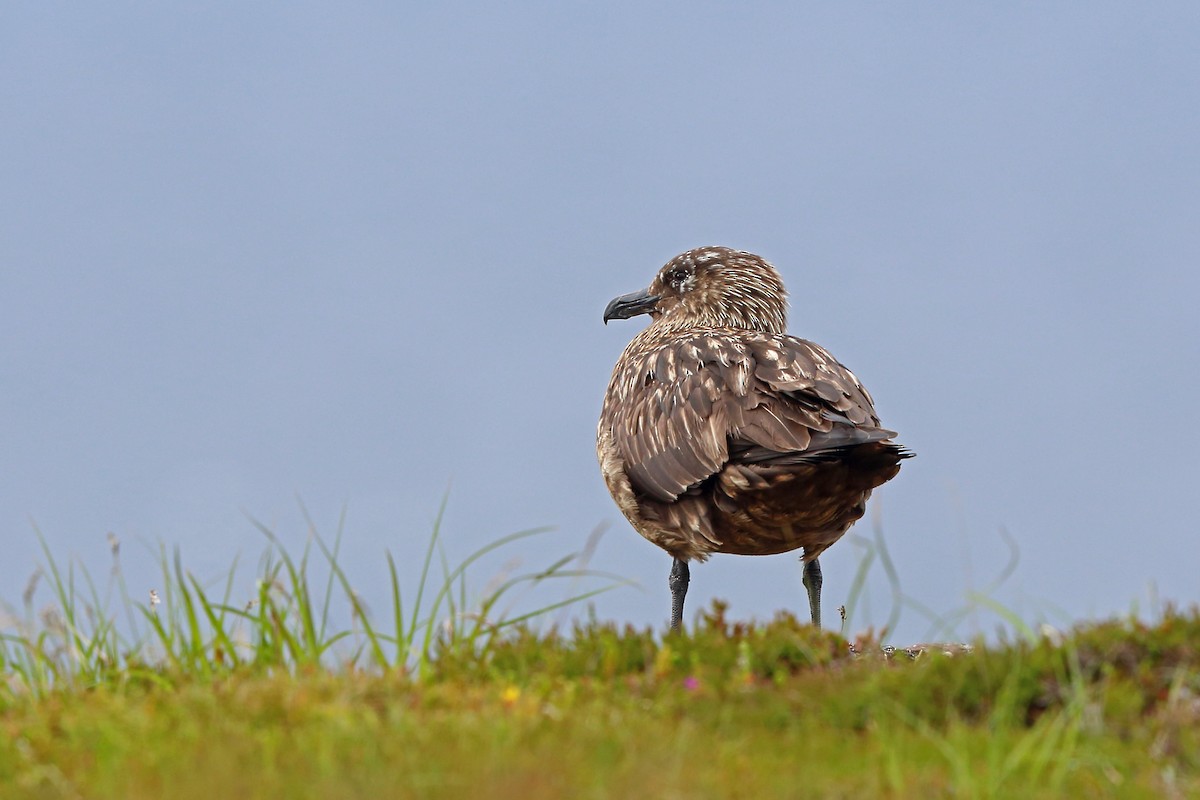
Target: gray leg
812 583
680 575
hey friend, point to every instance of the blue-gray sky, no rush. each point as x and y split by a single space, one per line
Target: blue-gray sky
359 254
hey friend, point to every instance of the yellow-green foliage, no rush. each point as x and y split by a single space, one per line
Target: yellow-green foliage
732 710
211 698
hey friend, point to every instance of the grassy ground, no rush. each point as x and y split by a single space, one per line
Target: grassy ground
206 699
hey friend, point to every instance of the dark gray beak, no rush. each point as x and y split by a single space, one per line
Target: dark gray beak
630 305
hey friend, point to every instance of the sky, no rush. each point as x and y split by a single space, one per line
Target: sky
259 257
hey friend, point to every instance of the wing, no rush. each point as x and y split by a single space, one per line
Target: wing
682 409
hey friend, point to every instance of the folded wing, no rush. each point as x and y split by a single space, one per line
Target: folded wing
696 404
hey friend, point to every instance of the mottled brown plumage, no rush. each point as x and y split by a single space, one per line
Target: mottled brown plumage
722 434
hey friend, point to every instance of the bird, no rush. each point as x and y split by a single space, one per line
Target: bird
721 433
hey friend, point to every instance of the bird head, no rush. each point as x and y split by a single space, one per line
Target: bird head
710 287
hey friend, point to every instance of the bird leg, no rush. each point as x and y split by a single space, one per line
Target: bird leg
812 583
680 575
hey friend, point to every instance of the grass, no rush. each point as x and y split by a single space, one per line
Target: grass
196 695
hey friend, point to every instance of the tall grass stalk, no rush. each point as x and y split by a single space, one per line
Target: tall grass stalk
941 625
186 627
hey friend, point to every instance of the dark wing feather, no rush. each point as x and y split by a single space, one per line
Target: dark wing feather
691 405
799 374
669 419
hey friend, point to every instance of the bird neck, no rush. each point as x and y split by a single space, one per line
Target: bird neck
758 320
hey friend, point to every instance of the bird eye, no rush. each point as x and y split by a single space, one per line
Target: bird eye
676 277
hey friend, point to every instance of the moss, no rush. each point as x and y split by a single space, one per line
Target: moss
730 709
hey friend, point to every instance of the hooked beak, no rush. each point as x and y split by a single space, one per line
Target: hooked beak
630 305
